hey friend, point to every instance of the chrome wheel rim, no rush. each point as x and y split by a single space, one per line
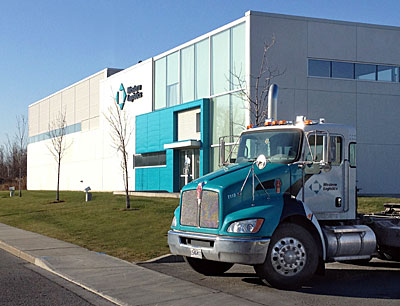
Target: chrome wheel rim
288 256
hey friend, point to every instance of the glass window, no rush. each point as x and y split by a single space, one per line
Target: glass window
352 154
187 74
388 73
316 143
238 115
172 79
220 61
277 146
335 151
202 69
319 68
342 70
220 118
160 83
150 159
365 72
238 53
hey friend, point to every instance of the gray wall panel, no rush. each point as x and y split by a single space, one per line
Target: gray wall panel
289 53
337 85
332 41
378 45
377 169
335 107
378 119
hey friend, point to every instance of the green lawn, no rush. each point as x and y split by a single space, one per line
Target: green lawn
370 205
103 225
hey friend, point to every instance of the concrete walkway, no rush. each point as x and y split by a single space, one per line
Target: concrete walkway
118 281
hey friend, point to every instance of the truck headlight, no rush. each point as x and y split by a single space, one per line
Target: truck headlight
246 226
174 222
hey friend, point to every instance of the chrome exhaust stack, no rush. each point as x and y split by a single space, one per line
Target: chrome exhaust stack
272 102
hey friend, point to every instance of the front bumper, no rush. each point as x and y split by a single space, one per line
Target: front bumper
248 251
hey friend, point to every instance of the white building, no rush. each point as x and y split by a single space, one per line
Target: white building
184 100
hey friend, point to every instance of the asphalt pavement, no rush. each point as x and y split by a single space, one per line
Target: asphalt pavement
174 283
22 283
118 281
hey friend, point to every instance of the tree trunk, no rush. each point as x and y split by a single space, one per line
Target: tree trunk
19 183
128 202
58 181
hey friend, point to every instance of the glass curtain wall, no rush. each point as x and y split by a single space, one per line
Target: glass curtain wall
213 67
201 70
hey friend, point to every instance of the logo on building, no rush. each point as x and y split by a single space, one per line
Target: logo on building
131 94
120 97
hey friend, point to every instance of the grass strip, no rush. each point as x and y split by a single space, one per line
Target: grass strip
103 225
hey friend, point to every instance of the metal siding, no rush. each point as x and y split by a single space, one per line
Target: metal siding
68 104
44 113
82 101
157 128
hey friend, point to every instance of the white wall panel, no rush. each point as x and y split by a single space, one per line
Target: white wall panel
55 107
187 125
82 101
44 116
33 120
68 105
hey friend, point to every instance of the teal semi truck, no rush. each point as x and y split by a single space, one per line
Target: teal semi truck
286 204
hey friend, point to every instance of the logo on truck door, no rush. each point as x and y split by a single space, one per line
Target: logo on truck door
316 187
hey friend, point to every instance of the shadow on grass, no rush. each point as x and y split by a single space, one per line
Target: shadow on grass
24 213
126 209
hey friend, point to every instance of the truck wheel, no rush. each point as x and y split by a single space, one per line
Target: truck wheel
292 257
208 267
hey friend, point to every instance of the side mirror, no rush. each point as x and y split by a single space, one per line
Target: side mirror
261 161
222 151
313 168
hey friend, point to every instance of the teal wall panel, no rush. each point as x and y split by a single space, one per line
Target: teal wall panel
157 128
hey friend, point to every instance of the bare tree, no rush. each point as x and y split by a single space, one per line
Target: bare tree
21 143
120 134
258 102
58 144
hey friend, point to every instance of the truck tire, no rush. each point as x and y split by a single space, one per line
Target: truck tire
208 267
292 257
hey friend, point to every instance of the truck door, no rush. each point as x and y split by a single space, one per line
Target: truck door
324 183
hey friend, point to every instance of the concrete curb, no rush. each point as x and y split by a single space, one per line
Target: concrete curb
17 252
168 258
41 263
115 280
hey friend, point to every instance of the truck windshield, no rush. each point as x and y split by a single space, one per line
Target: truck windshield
278 146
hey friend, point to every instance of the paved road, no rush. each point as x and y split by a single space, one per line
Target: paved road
22 283
378 283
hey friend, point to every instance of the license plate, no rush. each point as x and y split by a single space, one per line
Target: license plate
195 252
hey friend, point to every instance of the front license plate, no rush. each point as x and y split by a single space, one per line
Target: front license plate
194 252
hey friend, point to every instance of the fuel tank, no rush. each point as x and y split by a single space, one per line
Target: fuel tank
349 242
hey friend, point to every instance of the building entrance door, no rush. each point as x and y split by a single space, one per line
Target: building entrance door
189 164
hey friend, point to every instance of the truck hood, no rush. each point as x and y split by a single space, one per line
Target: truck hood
233 174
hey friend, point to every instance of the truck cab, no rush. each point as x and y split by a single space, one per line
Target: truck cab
286 205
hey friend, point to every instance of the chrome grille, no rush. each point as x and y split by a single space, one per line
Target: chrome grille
209 209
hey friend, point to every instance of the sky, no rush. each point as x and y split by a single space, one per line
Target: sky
47 45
